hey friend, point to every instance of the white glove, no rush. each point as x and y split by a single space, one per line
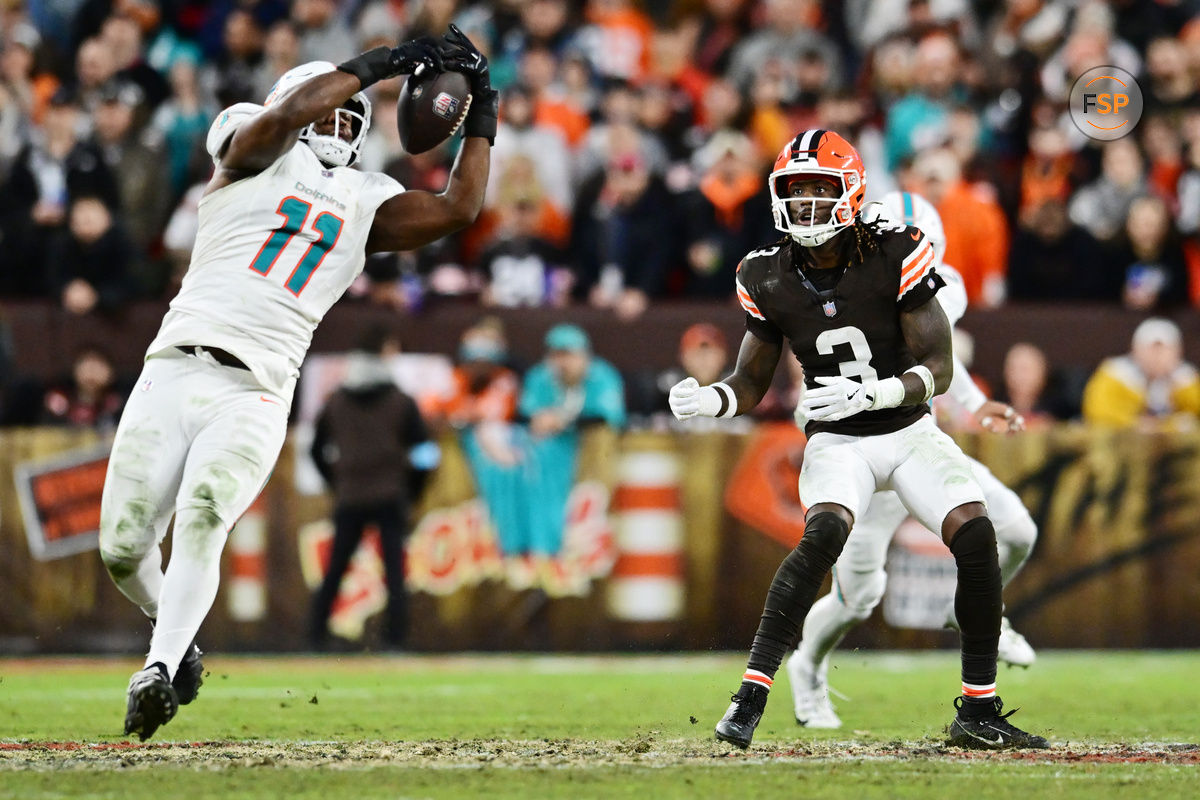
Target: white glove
840 397
689 399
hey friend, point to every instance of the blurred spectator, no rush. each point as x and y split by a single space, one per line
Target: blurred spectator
521 267
1150 258
622 236
1102 206
231 77
1052 258
976 229
569 389
95 65
135 160
920 120
1171 87
870 21
281 52
90 398
1149 386
722 24
617 39
183 121
92 261
791 33
703 354
1091 42
1047 170
49 171
324 35
1026 377
122 37
372 447
1033 26
571 386
484 402
29 84
726 216
618 130
544 146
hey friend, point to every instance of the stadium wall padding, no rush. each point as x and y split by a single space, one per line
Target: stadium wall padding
1117 563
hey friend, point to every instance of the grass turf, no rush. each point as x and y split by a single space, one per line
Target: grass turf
465 726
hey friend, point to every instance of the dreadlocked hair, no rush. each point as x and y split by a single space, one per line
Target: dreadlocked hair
865 239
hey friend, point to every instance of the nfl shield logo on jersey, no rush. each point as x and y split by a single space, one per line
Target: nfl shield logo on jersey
830 308
445 106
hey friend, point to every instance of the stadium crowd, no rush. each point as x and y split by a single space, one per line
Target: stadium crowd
634 140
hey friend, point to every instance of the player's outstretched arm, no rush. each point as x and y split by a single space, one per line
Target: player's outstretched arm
412 219
272 132
737 393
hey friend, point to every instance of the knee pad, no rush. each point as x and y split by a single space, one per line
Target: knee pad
825 534
974 542
860 592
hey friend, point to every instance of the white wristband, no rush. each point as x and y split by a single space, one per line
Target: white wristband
731 405
889 393
922 372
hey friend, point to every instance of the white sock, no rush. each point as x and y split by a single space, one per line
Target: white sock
827 622
190 585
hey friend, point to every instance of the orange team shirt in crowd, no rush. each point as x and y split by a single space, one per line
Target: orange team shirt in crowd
624 47
556 113
976 241
497 402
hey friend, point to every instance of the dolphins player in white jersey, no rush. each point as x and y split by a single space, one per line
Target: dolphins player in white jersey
858 576
285 227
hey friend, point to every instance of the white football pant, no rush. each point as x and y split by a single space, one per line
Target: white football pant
197 440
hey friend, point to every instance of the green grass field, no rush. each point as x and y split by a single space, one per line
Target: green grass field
336 728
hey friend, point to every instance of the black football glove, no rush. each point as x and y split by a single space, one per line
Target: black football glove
388 62
460 55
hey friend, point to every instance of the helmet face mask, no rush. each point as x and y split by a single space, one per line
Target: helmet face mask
354 116
814 158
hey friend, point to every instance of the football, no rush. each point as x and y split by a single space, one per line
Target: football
432 106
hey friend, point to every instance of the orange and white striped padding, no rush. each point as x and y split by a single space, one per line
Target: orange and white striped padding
647 582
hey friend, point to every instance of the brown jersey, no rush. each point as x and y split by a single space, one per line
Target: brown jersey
844 321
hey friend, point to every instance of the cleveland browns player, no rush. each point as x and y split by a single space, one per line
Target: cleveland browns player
853 300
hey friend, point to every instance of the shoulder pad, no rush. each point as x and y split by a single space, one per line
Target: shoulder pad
226 123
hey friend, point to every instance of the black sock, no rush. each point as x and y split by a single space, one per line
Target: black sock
794 589
977 605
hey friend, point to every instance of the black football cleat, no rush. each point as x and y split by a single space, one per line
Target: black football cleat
981 726
151 701
742 717
189 676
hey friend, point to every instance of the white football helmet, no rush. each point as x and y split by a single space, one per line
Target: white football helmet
332 150
908 208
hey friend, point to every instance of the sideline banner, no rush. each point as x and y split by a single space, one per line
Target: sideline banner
60 501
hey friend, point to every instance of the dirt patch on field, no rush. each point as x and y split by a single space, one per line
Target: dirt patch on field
645 750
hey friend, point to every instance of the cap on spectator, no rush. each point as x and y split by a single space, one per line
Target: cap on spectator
25 35
64 96
568 337
702 334
124 92
1157 330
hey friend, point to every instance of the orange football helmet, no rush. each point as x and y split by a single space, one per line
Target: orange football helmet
817 154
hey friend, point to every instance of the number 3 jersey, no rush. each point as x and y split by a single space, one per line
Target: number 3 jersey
273 253
844 322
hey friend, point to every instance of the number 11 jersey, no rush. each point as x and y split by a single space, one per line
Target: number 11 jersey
850 327
273 253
